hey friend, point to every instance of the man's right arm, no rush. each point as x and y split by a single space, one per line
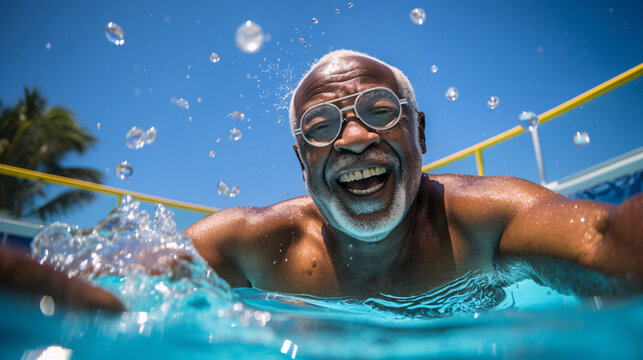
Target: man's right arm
218 238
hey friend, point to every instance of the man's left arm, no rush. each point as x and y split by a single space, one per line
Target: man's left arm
596 235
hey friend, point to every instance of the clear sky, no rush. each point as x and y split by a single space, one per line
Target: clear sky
533 55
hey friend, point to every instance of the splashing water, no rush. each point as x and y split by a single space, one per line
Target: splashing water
434 68
223 188
249 37
180 102
235 191
493 102
212 154
302 41
124 170
237 115
581 139
452 93
315 21
214 57
135 138
418 16
350 5
528 120
114 33
235 134
150 135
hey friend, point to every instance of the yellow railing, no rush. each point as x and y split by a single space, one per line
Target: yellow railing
579 100
90 186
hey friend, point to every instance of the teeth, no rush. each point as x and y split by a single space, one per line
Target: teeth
362 174
367 191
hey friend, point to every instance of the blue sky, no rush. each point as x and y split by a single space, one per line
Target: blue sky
533 55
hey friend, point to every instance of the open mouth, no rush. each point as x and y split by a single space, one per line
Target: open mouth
364 182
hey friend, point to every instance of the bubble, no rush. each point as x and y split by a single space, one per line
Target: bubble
237 115
434 68
350 5
181 102
249 37
223 188
336 11
581 139
493 102
150 135
235 191
315 21
214 57
528 120
114 33
212 153
135 138
235 134
452 93
418 16
124 170
302 41
48 46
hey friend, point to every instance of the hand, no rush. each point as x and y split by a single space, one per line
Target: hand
24 274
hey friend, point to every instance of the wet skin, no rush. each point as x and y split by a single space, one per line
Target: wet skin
450 223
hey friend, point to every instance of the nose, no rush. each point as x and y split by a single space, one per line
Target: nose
356 137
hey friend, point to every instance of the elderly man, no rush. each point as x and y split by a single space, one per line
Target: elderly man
374 223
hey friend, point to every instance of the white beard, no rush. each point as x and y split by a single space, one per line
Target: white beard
341 216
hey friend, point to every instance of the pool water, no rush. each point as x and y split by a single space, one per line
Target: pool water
523 310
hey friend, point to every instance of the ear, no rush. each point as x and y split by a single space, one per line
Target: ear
301 163
421 129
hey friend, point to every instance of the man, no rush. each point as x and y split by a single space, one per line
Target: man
374 223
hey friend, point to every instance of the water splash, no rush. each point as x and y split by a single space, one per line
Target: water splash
114 33
249 37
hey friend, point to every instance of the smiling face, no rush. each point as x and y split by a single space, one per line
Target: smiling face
364 182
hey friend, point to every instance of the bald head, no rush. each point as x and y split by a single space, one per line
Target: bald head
339 66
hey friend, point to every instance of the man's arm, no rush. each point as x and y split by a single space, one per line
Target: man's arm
515 216
27 275
593 234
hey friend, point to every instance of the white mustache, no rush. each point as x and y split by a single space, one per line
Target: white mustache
376 155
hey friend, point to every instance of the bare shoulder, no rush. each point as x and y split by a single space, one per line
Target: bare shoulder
463 192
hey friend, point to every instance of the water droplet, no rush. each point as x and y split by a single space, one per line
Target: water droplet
315 21
124 170
493 102
181 102
48 46
418 16
434 68
350 4
528 120
212 153
223 188
150 135
235 134
235 191
97 126
199 100
336 11
218 140
214 57
187 76
137 91
581 139
135 138
114 33
190 118
452 93
237 115
302 41
274 262
249 37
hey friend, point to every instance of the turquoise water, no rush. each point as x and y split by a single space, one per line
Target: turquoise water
525 309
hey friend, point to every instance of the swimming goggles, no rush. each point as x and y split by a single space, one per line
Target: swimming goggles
378 108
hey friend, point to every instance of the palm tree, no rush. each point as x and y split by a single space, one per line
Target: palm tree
38 138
